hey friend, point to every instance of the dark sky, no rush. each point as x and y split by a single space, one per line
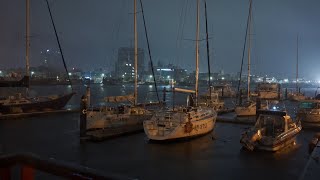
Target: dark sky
91 31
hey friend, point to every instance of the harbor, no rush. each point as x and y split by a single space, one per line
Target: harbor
152 90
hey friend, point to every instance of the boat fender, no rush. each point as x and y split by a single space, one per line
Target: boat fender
188 127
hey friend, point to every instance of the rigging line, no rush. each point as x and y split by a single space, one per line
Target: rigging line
180 30
55 31
149 52
243 50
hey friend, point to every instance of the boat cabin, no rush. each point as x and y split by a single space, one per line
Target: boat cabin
273 123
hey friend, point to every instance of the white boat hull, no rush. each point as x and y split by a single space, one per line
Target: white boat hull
176 129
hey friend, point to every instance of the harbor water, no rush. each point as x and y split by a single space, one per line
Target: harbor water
218 155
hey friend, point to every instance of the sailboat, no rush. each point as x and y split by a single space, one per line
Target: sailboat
210 98
296 96
121 115
183 122
22 104
248 108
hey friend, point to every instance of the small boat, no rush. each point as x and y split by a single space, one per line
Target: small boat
268 90
24 82
23 104
212 101
309 111
120 115
19 104
273 131
296 96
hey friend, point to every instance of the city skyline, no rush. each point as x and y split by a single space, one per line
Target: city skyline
91 39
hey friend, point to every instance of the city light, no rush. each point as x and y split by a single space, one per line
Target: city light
32 73
48 50
168 77
102 75
69 74
149 76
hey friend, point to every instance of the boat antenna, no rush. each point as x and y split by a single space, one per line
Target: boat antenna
149 52
60 49
27 42
244 49
208 55
135 53
297 88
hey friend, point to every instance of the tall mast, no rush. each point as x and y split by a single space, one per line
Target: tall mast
135 53
208 55
27 38
297 89
249 48
197 53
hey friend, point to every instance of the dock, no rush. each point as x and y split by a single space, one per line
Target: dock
37 113
312 168
107 133
232 118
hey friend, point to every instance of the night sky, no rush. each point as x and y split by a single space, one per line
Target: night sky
91 31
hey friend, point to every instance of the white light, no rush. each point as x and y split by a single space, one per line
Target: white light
122 75
69 74
274 108
129 64
0 72
149 76
150 86
102 75
222 78
32 72
48 50
168 77
126 64
211 78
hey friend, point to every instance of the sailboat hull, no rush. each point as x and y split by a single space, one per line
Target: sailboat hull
177 128
35 104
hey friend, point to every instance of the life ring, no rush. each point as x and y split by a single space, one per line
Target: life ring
188 127
84 111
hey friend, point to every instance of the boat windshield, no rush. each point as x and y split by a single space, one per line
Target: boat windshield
270 124
308 105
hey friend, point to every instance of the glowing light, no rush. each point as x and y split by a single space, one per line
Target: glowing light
102 75
211 78
222 78
126 64
70 74
32 73
168 77
48 50
274 108
150 86
149 76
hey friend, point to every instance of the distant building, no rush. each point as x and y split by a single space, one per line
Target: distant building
124 67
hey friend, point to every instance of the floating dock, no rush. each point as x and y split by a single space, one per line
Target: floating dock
232 118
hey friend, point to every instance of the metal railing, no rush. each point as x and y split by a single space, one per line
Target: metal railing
30 163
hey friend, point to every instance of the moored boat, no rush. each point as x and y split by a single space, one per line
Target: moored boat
273 131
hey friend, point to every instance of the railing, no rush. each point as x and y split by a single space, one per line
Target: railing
29 163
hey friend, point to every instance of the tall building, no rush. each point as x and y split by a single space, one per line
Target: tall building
125 65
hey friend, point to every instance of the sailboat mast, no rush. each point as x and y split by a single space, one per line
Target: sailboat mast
135 53
249 49
297 88
208 55
27 37
197 53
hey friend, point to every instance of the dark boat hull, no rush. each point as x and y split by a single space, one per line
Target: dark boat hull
24 82
36 105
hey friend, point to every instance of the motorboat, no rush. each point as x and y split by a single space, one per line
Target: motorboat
309 111
272 131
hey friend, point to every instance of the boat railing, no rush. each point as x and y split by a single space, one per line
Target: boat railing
29 164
